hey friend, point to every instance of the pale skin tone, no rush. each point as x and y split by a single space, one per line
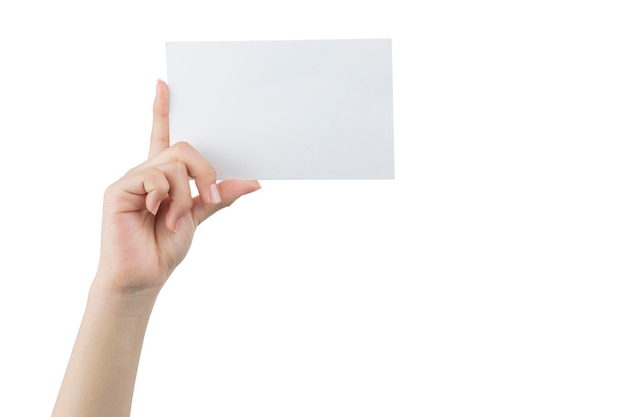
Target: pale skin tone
149 219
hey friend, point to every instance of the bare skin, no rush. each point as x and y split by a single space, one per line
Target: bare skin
149 219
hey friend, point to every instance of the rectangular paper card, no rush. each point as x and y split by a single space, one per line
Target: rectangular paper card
310 109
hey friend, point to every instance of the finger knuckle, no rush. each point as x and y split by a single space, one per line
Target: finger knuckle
153 173
210 170
112 193
179 168
156 178
183 146
110 190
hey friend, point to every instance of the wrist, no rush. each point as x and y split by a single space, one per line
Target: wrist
122 302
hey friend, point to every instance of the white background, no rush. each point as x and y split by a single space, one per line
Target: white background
487 279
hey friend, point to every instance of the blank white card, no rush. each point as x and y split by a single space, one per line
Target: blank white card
312 109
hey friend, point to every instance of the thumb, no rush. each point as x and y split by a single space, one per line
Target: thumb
230 191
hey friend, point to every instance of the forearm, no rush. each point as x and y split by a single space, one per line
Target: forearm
101 373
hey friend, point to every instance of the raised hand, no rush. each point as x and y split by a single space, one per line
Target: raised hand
150 216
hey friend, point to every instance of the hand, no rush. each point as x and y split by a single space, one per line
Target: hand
150 217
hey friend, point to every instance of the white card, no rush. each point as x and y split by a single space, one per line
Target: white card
311 109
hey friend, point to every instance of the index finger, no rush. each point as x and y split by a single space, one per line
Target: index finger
160 137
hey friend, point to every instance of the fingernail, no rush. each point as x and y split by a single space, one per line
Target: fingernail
156 208
178 224
214 194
